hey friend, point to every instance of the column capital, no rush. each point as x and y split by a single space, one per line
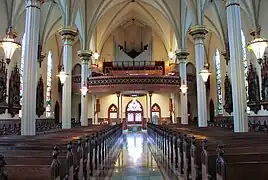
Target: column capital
182 55
150 93
68 32
84 55
198 32
232 3
118 93
34 3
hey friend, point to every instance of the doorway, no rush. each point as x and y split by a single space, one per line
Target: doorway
156 114
134 115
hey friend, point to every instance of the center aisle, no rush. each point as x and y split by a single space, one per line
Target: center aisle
135 161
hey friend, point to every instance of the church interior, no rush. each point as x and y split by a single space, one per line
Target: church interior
133 89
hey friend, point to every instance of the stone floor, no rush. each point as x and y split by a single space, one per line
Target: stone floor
135 160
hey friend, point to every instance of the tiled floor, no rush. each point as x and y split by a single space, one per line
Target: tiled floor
135 161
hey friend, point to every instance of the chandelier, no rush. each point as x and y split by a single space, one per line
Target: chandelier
62 75
258 45
183 88
9 44
204 73
96 55
84 90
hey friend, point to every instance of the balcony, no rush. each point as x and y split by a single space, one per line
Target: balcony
130 76
104 84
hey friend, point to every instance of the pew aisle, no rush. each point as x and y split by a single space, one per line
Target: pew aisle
135 160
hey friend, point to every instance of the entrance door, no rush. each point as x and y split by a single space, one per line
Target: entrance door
134 114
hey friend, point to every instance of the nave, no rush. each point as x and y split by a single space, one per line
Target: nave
135 160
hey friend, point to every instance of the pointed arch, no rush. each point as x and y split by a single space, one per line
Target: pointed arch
112 113
156 113
134 113
76 69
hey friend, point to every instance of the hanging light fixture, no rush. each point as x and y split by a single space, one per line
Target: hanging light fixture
9 44
96 55
183 88
170 54
258 45
62 75
204 73
84 90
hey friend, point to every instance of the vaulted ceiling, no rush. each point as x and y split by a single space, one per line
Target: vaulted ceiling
97 19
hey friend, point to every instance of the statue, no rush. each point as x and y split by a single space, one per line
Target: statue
265 87
253 90
228 106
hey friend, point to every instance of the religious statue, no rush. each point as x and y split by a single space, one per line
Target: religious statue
228 106
40 98
265 87
14 92
253 89
3 87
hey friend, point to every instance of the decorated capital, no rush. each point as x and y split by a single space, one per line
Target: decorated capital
182 55
198 32
85 55
68 33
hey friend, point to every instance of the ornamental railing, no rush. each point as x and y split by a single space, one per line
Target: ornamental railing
114 80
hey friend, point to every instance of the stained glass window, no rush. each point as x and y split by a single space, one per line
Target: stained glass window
134 106
244 46
218 80
49 84
21 70
245 60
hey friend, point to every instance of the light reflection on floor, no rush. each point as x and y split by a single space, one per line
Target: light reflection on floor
135 161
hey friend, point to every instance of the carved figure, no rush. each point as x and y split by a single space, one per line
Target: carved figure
253 90
228 106
40 98
265 87
14 92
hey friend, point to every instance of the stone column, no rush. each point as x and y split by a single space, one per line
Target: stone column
147 109
150 104
68 34
237 66
85 56
121 109
182 55
32 28
199 34
118 108
93 108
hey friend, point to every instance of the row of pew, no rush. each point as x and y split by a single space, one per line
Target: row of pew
79 153
211 153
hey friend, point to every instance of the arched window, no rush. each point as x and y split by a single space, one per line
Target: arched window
21 70
245 60
49 84
218 80
134 106
244 47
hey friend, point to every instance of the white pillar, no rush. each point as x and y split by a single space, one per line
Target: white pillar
199 34
172 95
85 56
93 108
182 55
150 106
68 34
32 27
121 109
118 107
237 66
